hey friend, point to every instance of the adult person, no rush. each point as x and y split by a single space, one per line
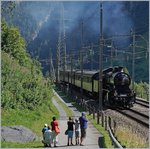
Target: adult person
70 124
83 126
55 131
47 137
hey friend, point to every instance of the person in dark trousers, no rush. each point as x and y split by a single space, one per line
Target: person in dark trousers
83 126
70 124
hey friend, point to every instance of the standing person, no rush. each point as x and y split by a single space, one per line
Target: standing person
77 130
70 124
83 125
47 137
55 131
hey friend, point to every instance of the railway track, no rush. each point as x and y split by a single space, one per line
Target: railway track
136 116
133 114
142 102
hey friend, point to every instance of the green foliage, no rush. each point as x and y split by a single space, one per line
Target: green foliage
142 90
23 85
14 44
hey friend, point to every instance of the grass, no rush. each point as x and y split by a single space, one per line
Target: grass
34 120
33 144
68 111
129 139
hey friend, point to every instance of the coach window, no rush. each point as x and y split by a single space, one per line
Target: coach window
85 79
76 77
90 79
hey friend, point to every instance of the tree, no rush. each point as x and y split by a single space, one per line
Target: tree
14 44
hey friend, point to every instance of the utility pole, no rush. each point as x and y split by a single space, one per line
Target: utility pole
61 47
111 54
92 57
64 41
50 68
101 59
81 59
58 54
71 57
133 57
52 71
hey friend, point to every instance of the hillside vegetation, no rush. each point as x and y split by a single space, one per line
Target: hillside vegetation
26 94
23 85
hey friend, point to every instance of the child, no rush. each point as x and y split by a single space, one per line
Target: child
47 137
77 130
44 129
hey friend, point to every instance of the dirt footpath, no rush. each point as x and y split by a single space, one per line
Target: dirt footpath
91 140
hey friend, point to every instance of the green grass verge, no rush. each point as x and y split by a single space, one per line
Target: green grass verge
68 111
34 144
34 120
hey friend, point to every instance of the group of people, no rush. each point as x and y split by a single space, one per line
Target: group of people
78 126
50 133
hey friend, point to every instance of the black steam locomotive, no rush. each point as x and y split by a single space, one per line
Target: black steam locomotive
116 85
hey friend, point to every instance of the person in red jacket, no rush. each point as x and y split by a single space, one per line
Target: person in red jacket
55 131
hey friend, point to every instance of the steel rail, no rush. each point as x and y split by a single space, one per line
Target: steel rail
135 116
142 102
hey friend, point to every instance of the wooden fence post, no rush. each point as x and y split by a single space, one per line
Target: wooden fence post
93 113
114 127
83 103
78 100
84 107
102 119
109 122
98 117
89 109
105 122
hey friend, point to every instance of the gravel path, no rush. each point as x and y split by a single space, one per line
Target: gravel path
93 135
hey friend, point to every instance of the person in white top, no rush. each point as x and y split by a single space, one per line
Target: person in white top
77 130
47 137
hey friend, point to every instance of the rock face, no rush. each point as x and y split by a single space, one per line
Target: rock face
17 134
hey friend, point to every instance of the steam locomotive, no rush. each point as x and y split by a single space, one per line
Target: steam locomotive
116 85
